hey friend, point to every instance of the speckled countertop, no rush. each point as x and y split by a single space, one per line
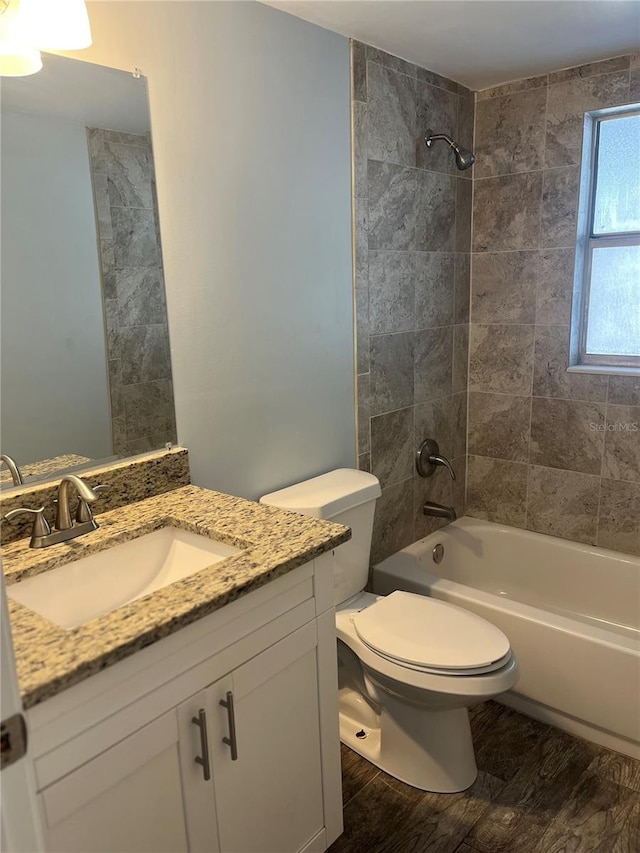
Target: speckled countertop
51 659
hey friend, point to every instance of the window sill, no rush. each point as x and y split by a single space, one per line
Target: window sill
604 370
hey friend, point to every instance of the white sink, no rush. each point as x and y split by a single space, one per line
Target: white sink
73 594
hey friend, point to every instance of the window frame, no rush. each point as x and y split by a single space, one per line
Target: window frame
592 241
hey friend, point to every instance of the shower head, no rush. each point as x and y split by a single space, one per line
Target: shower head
464 157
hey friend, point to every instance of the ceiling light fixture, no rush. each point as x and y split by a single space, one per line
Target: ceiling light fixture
28 26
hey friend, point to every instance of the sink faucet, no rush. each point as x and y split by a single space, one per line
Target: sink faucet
439 511
16 476
65 527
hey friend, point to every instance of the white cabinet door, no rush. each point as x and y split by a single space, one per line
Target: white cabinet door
126 800
269 799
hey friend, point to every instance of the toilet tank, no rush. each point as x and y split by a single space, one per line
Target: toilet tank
347 497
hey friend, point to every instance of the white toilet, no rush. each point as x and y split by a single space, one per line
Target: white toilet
409 666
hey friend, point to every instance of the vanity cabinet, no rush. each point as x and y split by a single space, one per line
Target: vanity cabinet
133 779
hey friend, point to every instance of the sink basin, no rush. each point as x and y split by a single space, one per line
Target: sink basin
73 594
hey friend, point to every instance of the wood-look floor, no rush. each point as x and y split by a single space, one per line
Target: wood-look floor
538 790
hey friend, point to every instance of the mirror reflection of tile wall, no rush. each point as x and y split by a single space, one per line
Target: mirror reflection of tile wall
141 388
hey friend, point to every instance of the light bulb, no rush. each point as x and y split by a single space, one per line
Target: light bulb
18 57
59 25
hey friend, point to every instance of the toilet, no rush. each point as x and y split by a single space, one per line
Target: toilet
409 666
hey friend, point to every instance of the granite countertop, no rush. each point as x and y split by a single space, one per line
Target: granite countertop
50 659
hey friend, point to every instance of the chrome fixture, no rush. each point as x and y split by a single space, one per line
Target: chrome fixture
16 476
438 552
65 528
439 511
464 158
428 458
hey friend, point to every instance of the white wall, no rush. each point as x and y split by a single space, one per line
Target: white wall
55 397
250 122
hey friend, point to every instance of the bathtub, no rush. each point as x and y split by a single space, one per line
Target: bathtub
571 612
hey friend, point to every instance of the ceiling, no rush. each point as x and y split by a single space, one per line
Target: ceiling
481 43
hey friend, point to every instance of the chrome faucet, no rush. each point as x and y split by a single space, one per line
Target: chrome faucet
16 476
439 511
65 527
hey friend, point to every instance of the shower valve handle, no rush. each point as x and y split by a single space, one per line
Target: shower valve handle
428 458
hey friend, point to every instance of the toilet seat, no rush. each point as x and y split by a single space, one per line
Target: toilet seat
428 635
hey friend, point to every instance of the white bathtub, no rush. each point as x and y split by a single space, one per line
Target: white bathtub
571 612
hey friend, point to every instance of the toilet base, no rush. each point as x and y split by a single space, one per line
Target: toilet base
429 750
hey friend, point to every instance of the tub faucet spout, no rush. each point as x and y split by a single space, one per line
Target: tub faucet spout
439 511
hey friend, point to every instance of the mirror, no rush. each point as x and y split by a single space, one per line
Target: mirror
85 368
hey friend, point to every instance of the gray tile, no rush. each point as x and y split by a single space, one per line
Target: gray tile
559 207
149 409
102 206
119 436
434 79
108 269
141 297
550 377
567 434
466 119
510 133
362 242
462 297
364 410
392 284
460 358
591 69
145 354
634 86
95 137
392 116
513 87
566 105
618 527
437 112
435 420
506 212
374 54
128 171
624 390
394 207
433 374
392 452
362 330
459 425
358 70
501 358
391 372
621 459
134 235
563 503
434 289
460 485
555 286
503 288
393 523
111 318
435 228
499 426
464 211
364 462
360 148
497 490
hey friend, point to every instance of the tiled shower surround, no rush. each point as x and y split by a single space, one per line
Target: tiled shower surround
544 450
413 218
140 384
541 453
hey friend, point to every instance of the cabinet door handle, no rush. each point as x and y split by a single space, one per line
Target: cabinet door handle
201 722
232 740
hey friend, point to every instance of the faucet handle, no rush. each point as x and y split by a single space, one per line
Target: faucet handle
83 512
428 457
40 524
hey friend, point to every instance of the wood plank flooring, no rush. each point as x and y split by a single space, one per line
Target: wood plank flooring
538 790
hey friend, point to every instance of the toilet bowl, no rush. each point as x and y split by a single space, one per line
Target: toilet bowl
409 666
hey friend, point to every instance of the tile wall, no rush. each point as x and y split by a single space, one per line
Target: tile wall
544 453
142 406
412 210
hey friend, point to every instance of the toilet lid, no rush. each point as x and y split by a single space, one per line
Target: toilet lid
424 632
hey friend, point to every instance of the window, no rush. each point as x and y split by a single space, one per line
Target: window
608 267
